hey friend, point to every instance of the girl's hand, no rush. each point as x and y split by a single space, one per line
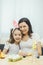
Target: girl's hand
0 51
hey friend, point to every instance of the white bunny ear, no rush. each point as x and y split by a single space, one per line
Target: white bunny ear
15 24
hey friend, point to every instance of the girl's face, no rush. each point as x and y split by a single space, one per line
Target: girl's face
17 36
24 28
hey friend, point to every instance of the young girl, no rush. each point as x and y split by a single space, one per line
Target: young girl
12 45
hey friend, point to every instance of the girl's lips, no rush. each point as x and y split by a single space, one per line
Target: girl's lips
18 39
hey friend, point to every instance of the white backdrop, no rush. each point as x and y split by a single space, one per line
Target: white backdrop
15 9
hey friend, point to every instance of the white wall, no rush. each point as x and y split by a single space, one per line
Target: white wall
16 9
0 18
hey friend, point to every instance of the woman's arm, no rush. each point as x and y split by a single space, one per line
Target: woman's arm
39 48
22 53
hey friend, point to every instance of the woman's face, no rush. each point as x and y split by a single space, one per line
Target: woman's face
17 36
24 28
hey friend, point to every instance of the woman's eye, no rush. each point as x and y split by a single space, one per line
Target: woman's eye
24 26
20 26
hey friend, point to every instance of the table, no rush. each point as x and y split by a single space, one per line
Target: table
25 61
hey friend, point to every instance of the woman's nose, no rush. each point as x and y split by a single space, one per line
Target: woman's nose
22 28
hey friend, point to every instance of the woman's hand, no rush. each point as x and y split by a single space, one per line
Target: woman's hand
22 53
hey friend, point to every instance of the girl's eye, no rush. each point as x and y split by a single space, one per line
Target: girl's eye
15 34
19 34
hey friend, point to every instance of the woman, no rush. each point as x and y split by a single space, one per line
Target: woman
28 38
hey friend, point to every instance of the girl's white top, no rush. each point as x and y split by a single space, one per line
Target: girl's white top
13 48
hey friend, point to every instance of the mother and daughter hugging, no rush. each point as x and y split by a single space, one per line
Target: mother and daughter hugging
23 41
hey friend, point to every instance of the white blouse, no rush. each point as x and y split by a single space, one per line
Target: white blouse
13 48
26 46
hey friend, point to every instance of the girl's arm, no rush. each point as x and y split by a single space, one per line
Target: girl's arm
5 51
6 48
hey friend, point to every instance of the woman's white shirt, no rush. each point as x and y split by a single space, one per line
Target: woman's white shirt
13 48
26 46
35 37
